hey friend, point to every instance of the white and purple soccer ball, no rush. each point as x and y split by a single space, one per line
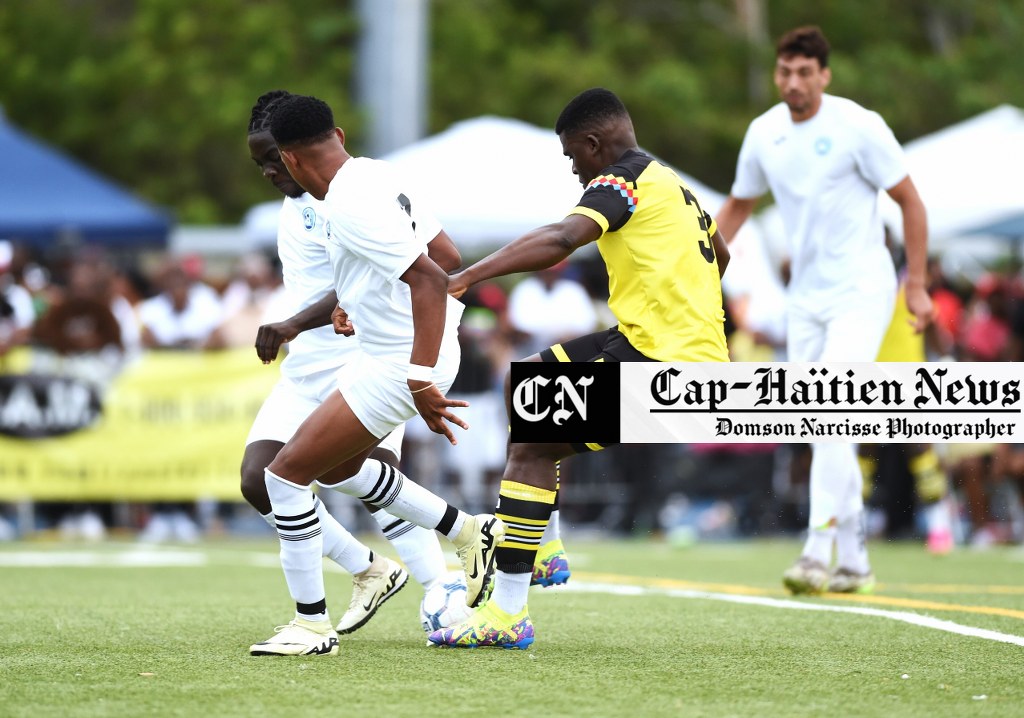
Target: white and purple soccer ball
445 603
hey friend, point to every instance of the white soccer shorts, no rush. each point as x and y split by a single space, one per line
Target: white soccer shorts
378 392
853 335
292 400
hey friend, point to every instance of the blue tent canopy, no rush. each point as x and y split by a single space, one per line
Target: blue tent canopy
46 196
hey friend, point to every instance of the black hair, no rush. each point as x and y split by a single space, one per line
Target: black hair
808 41
259 120
589 110
301 120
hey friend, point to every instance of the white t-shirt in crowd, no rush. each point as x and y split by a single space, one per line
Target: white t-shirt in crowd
23 313
201 316
565 311
825 174
376 229
308 276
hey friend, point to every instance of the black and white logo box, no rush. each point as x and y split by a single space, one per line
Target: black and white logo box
776 402
565 402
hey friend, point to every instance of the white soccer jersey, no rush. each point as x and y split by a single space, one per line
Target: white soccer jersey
825 174
376 230
307 274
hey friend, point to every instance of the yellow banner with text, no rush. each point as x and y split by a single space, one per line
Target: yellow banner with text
172 426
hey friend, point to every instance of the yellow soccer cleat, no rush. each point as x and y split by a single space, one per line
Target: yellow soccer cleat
551 567
487 627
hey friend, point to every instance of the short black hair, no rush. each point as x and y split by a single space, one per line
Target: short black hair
259 120
590 109
808 41
301 120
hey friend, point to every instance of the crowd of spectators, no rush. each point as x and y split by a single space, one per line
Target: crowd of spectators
87 314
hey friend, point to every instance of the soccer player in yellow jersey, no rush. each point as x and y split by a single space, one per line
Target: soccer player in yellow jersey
664 257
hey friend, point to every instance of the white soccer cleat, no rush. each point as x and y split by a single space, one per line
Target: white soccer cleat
382 580
475 547
299 638
843 580
807 575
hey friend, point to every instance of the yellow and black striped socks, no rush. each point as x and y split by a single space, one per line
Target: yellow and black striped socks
525 510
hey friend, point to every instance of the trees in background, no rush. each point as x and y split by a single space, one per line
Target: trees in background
155 93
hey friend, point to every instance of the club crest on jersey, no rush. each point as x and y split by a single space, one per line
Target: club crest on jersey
822 145
308 218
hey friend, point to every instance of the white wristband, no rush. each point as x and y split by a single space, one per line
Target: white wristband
420 373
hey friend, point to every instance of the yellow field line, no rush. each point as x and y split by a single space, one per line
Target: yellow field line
954 588
670 583
741 590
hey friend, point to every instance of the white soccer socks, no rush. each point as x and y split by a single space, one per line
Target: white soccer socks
417 546
385 486
339 545
301 535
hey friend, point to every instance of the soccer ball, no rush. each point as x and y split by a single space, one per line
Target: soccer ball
445 603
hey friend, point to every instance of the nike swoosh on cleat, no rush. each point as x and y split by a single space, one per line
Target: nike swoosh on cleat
372 602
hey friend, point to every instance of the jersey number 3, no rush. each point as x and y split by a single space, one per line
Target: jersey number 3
706 249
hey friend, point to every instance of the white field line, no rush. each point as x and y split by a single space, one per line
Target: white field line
149 557
902 616
133 558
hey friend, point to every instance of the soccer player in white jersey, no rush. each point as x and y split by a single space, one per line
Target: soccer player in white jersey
824 159
407 356
307 375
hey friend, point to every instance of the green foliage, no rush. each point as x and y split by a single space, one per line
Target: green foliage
155 93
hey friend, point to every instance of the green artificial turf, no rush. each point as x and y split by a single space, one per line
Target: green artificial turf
124 640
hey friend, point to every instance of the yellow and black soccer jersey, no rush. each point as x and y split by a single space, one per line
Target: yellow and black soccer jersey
665 289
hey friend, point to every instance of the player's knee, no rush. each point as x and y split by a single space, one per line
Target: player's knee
254 487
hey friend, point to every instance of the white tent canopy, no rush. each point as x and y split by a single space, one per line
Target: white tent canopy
970 176
482 201
457 174
483 206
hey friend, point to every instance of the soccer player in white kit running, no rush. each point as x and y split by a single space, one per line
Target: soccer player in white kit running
308 374
407 357
825 158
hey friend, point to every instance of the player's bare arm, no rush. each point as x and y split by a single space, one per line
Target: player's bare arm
915 240
722 254
270 337
734 212
428 289
443 251
539 249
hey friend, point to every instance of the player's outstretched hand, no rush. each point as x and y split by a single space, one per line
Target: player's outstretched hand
342 324
270 337
433 406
